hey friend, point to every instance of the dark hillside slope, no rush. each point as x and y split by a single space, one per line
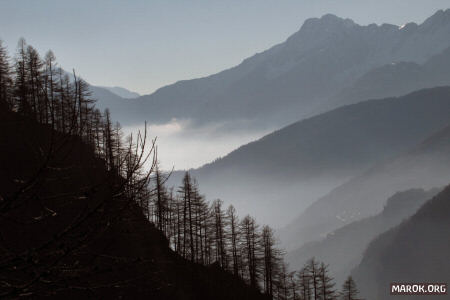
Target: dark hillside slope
121 108
425 165
343 249
415 251
345 138
66 234
397 79
328 148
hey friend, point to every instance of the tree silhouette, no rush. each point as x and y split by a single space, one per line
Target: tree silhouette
349 290
234 238
38 91
326 283
250 248
5 78
313 269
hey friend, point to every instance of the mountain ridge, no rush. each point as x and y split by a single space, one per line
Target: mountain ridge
397 79
121 92
293 79
424 165
343 248
414 251
312 155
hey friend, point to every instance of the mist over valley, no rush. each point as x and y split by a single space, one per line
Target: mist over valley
316 168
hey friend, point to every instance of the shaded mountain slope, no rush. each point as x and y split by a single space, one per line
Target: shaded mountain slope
296 78
425 165
343 249
278 175
69 235
398 79
121 92
415 251
117 105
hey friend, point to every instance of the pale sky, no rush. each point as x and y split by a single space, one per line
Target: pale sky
145 44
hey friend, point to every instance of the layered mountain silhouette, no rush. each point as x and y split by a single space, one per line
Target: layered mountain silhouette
349 180
278 175
343 249
425 165
106 99
296 78
122 92
397 79
414 251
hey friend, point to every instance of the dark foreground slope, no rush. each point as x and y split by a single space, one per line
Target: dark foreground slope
343 249
65 233
415 251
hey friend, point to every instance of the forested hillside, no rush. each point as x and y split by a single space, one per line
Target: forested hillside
69 229
85 211
74 200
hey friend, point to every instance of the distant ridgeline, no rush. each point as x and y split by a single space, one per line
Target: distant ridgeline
81 216
327 63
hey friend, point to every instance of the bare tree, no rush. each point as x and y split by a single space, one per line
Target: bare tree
270 259
304 280
50 85
234 233
5 78
313 269
250 237
21 84
219 236
326 283
349 290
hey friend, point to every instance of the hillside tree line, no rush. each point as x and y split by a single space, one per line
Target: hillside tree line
200 231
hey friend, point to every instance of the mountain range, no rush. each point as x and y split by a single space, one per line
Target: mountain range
397 79
414 251
343 249
122 92
306 74
351 175
277 176
347 151
425 165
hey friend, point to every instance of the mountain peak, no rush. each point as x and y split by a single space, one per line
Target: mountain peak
327 21
441 17
330 18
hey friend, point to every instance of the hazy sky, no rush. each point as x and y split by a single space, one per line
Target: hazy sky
145 44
